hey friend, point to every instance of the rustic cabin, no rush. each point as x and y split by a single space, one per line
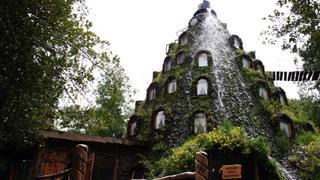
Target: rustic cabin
104 158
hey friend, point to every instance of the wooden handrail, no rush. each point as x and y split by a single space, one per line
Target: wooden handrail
185 175
59 174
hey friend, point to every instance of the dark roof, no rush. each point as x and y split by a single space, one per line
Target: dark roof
87 138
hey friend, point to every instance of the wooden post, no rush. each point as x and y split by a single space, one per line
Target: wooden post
80 162
202 172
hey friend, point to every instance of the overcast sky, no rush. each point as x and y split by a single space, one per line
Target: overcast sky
139 31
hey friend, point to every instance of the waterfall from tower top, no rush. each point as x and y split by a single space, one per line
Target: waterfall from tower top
232 93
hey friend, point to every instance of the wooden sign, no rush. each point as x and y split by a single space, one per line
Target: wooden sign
231 171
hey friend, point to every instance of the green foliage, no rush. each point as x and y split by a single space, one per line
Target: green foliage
283 143
225 138
305 138
109 116
252 75
181 159
260 150
304 109
296 24
307 158
47 50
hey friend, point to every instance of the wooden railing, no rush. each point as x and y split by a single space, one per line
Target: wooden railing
78 170
65 175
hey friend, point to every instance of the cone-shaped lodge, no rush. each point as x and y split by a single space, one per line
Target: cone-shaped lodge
202 84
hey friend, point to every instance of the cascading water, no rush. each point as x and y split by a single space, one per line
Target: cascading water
232 93
290 175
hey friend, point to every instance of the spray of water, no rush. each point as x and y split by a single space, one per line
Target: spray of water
229 84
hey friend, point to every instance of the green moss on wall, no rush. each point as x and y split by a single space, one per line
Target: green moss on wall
224 138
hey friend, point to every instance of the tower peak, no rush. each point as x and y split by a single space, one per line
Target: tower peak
204 5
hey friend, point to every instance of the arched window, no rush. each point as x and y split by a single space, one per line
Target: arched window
184 39
282 99
194 21
263 92
152 94
285 127
180 59
133 128
259 68
202 87
167 64
246 62
159 120
200 123
172 86
203 60
237 43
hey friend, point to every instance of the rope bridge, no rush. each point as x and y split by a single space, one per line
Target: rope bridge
295 75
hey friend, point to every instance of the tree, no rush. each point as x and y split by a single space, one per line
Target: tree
296 23
109 116
47 51
113 110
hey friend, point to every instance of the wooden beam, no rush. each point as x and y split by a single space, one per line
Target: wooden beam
285 76
315 76
310 75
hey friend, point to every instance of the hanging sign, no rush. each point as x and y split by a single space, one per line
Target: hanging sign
231 171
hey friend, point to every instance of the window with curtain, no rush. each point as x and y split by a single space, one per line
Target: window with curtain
172 86
263 92
200 123
202 87
133 128
160 120
203 60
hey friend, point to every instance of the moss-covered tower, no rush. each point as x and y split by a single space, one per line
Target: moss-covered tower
206 78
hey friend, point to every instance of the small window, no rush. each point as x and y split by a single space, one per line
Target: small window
160 120
246 62
237 43
133 128
167 65
263 92
152 94
172 86
202 87
194 21
184 40
282 99
180 59
203 60
259 68
285 128
200 123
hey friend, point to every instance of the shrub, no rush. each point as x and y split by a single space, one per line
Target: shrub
307 159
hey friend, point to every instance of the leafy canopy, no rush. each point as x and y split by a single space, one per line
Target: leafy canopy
296 23
108 117
47 52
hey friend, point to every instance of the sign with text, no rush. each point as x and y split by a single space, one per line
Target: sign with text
231 171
